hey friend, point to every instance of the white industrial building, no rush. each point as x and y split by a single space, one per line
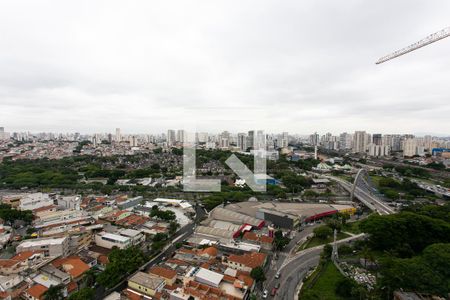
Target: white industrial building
50 246
110 240
35 200
136 236
208 277
70 202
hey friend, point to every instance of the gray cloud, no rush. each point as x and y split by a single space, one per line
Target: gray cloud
304 66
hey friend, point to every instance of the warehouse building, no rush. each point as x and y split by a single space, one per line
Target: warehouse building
225 214
288 215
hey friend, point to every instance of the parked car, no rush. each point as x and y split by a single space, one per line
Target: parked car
277 285
274 292
278 275
265 294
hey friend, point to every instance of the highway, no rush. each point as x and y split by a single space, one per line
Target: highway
295 268
365 197
288 251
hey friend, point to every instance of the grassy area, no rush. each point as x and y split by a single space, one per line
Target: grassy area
376 180
346 177
322 284
314 241
352 227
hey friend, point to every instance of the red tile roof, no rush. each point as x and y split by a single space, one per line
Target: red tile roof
72 286
163 272
44 208
37 291
22 256
251 260
103 259
8 263
72 265
210 251
266 239
251 236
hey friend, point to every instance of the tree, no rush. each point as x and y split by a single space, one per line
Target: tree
54 292
173 226
83 294
280 241
437 256
334 223
344 217
412 274
409 233
122 262
323 232
159 237
89 278
327 251
258 274
345 249
345 288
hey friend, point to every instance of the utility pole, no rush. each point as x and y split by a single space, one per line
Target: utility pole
335 255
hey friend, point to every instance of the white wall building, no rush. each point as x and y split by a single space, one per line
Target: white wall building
35 200
378 150
409 147
110 240
360 141
70 202
50 246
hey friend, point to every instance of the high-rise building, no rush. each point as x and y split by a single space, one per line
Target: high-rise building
377 139
427 141
345 141
133 141
202 137
378 150
181 136
171 138
118 135
224 140
284 140
360 141
314 139
409 147
260 140
251 139
242 141
4 135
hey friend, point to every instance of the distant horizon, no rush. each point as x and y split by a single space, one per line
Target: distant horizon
418 134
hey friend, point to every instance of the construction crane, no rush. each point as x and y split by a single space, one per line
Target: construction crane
426 41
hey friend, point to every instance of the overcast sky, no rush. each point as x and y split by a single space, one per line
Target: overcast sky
297 66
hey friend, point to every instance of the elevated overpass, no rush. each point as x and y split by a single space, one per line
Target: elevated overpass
361 190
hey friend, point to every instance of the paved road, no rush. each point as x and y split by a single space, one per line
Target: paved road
295 268
283 256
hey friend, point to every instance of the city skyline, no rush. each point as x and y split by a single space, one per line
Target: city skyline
113 131
217 66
